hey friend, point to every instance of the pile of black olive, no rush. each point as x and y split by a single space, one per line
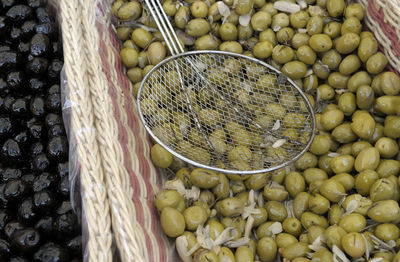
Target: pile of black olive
37 222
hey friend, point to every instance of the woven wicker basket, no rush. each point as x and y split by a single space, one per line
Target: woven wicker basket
110 147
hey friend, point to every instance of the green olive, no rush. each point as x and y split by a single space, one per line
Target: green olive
376 84
238 134
354 10
332 59
353 244
358 79
181 17
143 62
135 75
387 147
169 7
231 46
263 49
199 9
244 6
206 42
294 69
283 240
282 54
306 55
300 204
268 35
156 52
172 222
347 43
333 235
231 207
306 161
194 216
168 198
274 191
244 253
320 42
376 63
294 183
363 124
310 219
344 134
205 255
299 19
284 35
300 39
292 226
392 126
314 174
315 25
345 179
353 222
204 178
325 92
129 10
321 70
313 232
267 249
197 27
276 211
244 32
387 232
388 167
345 149
368 158
261 20
384 211
382 189
269 7
141 37
338 80
228 32
226 255
331 119
318 204
332 29
386 256
129 57
390 83
349 65
256 181
332 190
161 157
335 7
368 47
294 250
365 97
279 21
335 214
221 190
351 25
364 180
387 104
378 133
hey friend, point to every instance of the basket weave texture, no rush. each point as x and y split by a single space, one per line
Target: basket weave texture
110 147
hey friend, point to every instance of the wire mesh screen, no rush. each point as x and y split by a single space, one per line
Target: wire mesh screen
227 113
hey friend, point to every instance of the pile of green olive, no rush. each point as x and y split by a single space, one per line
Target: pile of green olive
339 201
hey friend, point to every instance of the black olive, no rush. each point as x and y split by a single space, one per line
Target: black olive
75 246
43 15
3 25
15 190
6 127
4 90
57 148
12 227
28 29
53 102
37 66
45 225
39 45
27 211
28 178
3 201
38 106
25 240
5 48
5 217
15 80
19 13
54 89
37 148
64 187
56 130
44 181
29 123
63 169
4 250
36 85
40 163
6 4
10 151
9 174
65 225
36 131
16 35
51 252
8 60
49 29
44 200
20 107
53 119
64 208
23 48
54 69
22 138
18 259
36 3
56 49
7 103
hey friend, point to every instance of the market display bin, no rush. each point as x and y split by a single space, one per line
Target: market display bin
110 150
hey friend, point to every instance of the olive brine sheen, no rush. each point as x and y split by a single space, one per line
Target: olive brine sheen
37 222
